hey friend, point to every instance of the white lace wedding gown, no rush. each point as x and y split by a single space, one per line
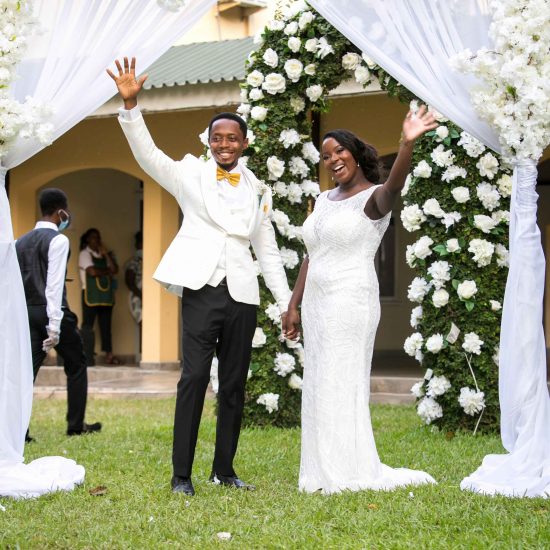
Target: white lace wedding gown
340 314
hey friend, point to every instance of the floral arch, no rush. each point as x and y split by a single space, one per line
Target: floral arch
456 199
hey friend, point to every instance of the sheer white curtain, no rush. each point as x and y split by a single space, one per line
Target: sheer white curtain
65 68
413 40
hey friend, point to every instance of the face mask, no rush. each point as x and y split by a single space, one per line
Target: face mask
64 223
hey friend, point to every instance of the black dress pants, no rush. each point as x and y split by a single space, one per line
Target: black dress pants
70 349
212 322
104 315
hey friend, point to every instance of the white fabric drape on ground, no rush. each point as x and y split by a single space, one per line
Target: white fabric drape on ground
65 68
413 40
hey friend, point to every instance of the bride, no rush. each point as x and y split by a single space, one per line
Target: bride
341 311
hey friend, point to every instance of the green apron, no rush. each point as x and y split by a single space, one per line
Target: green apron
99 290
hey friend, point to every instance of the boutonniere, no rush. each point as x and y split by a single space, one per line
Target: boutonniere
261 187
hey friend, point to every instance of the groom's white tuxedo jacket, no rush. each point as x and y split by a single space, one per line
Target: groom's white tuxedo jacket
207 227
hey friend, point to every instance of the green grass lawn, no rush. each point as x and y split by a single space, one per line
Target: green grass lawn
131 457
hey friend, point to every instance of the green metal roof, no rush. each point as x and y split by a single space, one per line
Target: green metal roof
200 63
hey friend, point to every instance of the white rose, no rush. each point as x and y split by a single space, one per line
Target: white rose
314 92
438 385
311 45
281 220
471 145
452 245
441 157
471 401
501 216
422 170
362 75
502 255
431 208
310 69
484 223
273 313
256 94
371 64
434 343
482 251
204 137
495 306
442 132
284 364
412 217
291 28
309 152
297 166
280 188
271 58
289 257
259 338
504 184
324 48
440 298
258 113
422 247
416 316
488 195
450 218
350 61
243 109
466 290
409 256
293 69
295 382
428 374
294 193
255 79
310 188
418 289
305 19
406 186
452 172
413 343
274 83
440 273
418 389
294 44
429 410
270 401
297 104
275 167
461 194
289 137
276 25
472 343
487 166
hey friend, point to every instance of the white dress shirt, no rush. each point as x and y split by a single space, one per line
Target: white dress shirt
85 260
58 254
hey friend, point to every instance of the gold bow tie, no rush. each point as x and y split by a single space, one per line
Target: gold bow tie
233 179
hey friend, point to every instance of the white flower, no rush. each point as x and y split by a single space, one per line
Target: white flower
502 255
258 113
275 167
297 104
297 166
282 221
293 69
441 132
482 251
310 188
289 137
413 343
484 223
294 44
412 217
422 247
440 298
284 364
409 256
472 343
418 289
416 316
428 374
250 137
471 145
259 338
422 170
350 61
440 272
452 245
461 194
501 216
450 218
280 188
504 184
291 28
290 257
429 410
361 74
438 385
418 389
306 18
431 208
271 58
487 166
488 195
453 172
310 69
324 48
214 380
441 157
310 153
204 137
471 401
406 185
274 83
434 343
255 79
311 45
295 381
314 92
294 193
255 94
495 306
275 25
294 8
273 313
243 109
371 64
270 401
466 290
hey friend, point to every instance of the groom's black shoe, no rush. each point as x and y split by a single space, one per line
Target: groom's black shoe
230 481
86 429
183 485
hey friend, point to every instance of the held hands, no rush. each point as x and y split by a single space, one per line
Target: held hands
418 123
291 324
51 341
126 82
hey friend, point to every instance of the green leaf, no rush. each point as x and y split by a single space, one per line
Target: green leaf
455 283
441 249
469 305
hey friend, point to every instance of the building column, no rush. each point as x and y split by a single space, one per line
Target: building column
160 314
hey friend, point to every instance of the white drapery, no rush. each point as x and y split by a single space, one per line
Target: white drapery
413 41
65 68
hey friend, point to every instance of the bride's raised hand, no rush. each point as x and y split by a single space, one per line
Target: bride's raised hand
418 123
127 84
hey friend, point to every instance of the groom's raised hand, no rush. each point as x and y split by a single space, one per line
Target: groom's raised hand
126 82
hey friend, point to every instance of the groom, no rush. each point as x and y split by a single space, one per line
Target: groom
225 210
